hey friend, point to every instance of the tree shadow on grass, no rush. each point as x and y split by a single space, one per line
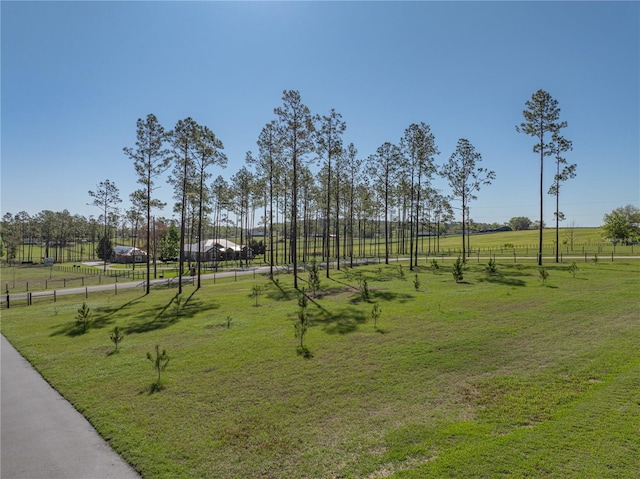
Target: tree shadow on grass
101 319
73 328
343 321
499 278
109 310
278 293
348 285
169 314
324 292
390 296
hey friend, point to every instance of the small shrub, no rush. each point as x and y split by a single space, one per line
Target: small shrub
228 322
116 336
543 274
458 270
303 323
434 265
159 361
491 266
314 277
573 269
375 314
84 317
256 291
401 272
416 283
364 288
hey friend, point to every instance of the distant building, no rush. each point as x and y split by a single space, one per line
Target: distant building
216 250
129 254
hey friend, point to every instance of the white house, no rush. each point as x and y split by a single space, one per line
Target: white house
215 250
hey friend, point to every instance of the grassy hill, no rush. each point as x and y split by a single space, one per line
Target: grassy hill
500 375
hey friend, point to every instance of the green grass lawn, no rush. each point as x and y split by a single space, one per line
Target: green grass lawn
501 375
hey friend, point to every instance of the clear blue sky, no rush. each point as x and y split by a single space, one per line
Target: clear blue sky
77 75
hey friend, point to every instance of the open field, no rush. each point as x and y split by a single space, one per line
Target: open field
572 241
513 246
501 375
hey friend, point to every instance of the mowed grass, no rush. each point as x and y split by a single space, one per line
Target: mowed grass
498 376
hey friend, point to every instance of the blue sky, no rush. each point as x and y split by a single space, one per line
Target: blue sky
77 75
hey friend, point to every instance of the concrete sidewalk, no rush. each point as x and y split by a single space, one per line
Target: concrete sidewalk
42 435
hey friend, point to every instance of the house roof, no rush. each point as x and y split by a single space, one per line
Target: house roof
128 251
210 244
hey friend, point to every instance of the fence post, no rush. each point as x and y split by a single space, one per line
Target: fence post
64 282
8 305
54 296
29 300
86 292
115 286
27 285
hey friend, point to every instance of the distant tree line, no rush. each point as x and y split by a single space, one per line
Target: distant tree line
302 189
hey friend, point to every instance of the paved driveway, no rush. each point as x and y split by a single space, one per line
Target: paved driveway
42 435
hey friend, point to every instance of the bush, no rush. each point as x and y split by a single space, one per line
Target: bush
314 277
458 269
375 314
543 274
159 361
84 317
116 336
573 269
364 288
491 266
303 323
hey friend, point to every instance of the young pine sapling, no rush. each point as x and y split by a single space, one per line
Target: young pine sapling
84 317
375 314
116 336
159 361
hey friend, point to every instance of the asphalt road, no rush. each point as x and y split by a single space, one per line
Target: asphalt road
42 435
